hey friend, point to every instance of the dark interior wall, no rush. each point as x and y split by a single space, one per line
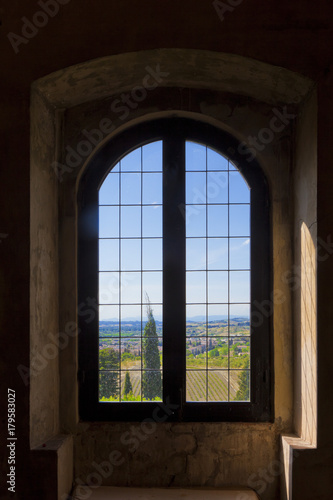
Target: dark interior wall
294 35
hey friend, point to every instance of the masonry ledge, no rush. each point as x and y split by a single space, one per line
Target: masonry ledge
54 444
53 462
297 443
128 493
291 446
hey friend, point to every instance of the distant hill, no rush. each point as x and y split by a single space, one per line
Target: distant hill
158 319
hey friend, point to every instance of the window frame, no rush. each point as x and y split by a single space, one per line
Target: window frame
174 131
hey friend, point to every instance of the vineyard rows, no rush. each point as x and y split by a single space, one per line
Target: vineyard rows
217 386
196 385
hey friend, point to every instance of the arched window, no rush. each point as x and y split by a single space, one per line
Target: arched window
174 257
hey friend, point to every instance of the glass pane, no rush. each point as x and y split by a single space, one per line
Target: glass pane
130 321
239 217
238 189
239 326
217 253
239 385
195 220
217 187
218 319
195 156
130 189
109 288
131 162
105 343
109 321
239 253
152 189
109 356
109 383
157 313
215 161
131 255
217 220
109 190
130 222
130 288
239 286
152 254
152 157
241 313
131 386
130 354
152 221
130 342
218 352
218 312
196 353
108 222
195 253
196 385
217 286
195 188
196 320
152 385
239 350
218 385
109 255
152 285
196 328
195 286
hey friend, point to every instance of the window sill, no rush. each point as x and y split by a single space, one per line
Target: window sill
118 493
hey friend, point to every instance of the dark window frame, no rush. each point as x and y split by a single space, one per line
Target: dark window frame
174 132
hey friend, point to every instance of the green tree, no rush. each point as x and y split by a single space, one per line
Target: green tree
243 393
214 353
109 374
151 376
128 384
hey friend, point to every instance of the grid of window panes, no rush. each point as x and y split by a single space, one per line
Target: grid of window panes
217 278
130 278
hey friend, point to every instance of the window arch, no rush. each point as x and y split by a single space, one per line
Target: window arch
173 248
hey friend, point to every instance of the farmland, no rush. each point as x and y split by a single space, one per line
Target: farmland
216 355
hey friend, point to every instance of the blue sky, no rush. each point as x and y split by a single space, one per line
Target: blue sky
131 234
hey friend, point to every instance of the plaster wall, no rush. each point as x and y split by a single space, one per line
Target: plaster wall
44 359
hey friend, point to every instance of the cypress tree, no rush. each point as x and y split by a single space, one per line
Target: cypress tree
128 384
109 374
151 376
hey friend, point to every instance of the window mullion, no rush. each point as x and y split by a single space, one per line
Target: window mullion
174 323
